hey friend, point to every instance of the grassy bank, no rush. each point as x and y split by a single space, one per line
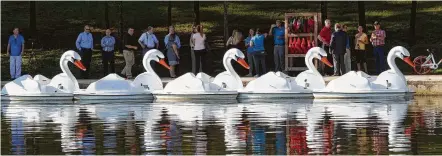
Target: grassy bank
58 24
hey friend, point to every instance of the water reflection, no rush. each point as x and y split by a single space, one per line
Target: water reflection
200 128
331 132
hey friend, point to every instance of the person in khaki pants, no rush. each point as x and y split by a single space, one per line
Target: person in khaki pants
130 45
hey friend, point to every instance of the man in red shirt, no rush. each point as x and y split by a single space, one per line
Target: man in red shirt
325 38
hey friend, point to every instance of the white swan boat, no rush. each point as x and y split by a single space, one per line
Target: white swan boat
279 85
61 87
190 87
114 87
389 84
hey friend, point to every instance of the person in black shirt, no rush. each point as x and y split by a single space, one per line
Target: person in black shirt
130 45
338 47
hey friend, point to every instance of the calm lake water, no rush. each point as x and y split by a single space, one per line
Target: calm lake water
412 126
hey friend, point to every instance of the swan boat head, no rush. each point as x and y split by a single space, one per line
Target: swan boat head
154 55
319 54
74 58
236 55
403 54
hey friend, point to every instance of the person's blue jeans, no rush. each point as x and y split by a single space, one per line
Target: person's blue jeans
251 63
15 66
259 57
378 52
278 56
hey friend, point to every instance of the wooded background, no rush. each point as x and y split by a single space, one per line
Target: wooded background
54 26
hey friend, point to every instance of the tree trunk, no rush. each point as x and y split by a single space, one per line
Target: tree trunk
361 10
196 11
226 26
169 13
323 11
413 23
106 14
32 20
121 27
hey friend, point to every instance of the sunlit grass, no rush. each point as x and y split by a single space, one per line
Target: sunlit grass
434 10
399 2
384 13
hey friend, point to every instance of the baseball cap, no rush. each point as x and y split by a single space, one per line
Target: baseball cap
376 23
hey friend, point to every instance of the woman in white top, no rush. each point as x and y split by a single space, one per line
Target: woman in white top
199 48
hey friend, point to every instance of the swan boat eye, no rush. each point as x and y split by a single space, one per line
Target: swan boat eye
73 59
237 57
403 56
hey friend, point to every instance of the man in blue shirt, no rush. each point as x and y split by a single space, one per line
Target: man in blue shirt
148 41
278 31
85 44
257 43
16 45
250 52
108 43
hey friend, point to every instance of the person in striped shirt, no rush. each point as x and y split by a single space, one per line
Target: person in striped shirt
377 39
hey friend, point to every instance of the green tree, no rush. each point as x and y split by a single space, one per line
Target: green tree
196 11
361 12
169 13
412 39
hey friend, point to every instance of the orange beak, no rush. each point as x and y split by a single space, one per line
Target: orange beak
79 65
162 62
243 63
409 62
325 60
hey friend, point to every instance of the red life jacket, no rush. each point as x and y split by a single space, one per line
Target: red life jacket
292 42
298 49
304 46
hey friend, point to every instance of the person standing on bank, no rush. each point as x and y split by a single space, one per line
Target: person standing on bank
199 39
192 45
361 40
378 41
107 54
85 43
278 31
172 42
250 52
234 40
325 37
338 46
148 41
347 56
130 46
257 43
16 47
